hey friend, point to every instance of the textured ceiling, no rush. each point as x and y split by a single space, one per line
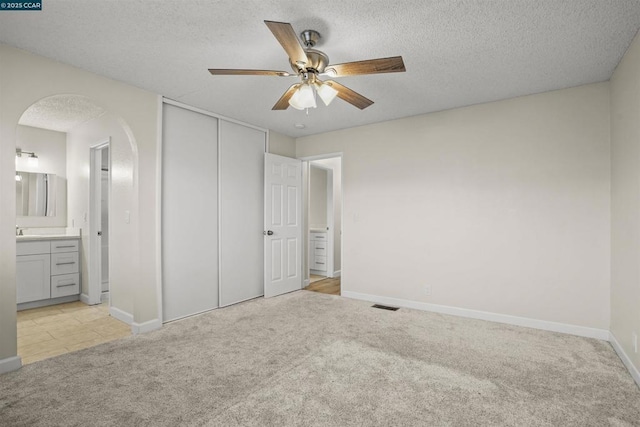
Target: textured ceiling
456 52
60 112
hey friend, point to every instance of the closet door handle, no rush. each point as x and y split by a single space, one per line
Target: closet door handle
65 263
68 246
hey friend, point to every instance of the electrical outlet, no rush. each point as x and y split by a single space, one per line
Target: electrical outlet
427 290
634 339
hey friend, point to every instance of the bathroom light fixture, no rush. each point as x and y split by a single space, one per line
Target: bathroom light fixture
32 159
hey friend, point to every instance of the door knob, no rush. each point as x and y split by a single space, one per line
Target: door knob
269 233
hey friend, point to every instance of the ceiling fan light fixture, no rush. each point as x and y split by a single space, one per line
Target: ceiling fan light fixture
326 93
303 98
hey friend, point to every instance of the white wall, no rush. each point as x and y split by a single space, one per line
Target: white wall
317 197
625 201
335 164
50 147
500 207
124 246
282 145
21 84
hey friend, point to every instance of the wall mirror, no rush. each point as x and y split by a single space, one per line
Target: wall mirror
35 194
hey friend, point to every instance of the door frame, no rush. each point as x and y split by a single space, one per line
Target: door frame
94 295
305 213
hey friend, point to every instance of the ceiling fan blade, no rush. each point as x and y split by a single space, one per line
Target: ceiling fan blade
239 72
370 66
283 102
289 40
351 96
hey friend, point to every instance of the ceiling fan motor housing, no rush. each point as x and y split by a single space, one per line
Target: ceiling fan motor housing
316 62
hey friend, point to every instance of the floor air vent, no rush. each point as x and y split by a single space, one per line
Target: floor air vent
385 307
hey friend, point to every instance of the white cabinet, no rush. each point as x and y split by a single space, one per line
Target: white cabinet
47 269
33 277
65 268
318 252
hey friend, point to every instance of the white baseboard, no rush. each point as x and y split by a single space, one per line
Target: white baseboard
635 373
565 328
141 328
46 302
10 364
85 299
337 273
122 316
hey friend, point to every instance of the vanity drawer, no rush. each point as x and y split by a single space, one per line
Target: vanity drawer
319 236
64 263
33 248
320 263
321 249
65 284
64 246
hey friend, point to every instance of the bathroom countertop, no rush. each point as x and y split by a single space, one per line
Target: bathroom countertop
46 237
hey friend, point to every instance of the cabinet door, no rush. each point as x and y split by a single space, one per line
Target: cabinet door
33 277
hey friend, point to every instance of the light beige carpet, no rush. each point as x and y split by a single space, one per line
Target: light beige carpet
313 359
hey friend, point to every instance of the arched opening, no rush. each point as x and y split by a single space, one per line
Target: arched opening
87 231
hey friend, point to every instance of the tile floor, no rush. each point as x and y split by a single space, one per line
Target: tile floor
50 331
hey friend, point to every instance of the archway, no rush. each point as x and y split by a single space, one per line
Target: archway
85 125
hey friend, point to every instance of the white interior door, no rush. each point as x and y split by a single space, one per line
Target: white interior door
98 191
104 219
283 225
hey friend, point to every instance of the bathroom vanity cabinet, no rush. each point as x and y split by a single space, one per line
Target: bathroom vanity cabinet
47 270
318 253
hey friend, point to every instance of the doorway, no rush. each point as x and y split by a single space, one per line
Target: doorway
77 153
323 214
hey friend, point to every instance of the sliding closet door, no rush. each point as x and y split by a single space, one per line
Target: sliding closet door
241 212
189 212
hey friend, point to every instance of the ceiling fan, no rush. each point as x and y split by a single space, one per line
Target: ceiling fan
309 63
